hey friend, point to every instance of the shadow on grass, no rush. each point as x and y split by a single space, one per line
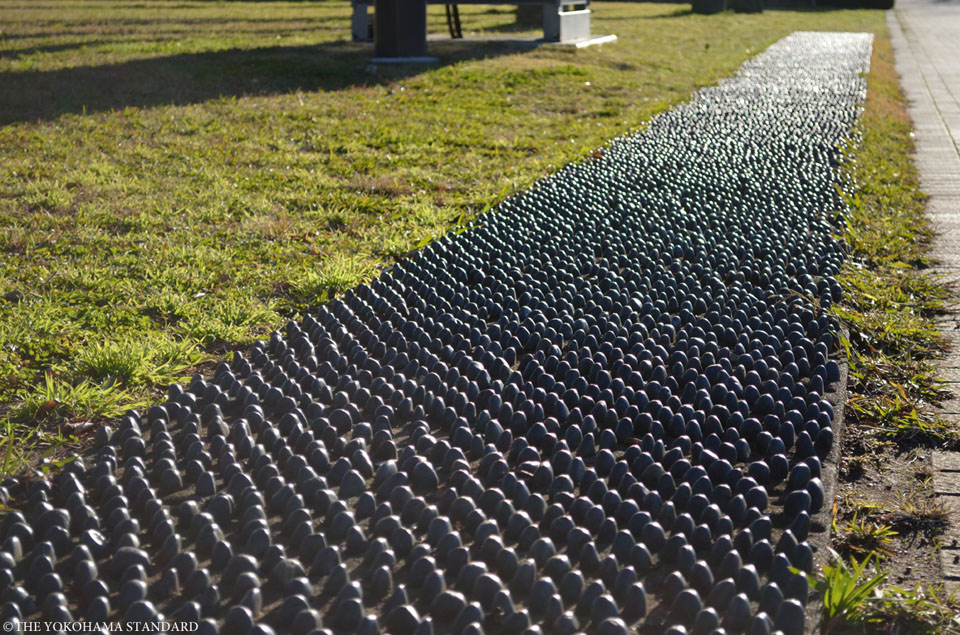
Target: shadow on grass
773 5
675 13
195 78
54 48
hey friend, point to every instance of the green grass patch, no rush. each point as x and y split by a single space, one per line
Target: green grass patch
334 277
892 344
889 299
55 400
847 592
177 178
132 362
855 600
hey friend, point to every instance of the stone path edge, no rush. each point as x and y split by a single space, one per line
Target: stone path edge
830 474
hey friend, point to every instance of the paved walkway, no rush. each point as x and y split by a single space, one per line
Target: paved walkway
926 39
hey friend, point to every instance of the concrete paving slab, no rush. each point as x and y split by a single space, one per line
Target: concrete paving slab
950 376
947 483
946 461
950 562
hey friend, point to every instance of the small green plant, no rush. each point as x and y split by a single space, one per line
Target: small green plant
113 361
54 466
899 418
235 322
918 610
56 400
154 361
15 444
335 276
919 510
847 592
866 537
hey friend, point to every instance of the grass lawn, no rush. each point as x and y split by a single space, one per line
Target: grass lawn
177 178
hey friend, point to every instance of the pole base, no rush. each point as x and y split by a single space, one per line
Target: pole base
581 43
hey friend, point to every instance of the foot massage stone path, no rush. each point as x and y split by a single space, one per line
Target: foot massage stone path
604 407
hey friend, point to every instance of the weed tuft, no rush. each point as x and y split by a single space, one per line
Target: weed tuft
865 537
847 592
335 276
58 401
919 609
113 361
